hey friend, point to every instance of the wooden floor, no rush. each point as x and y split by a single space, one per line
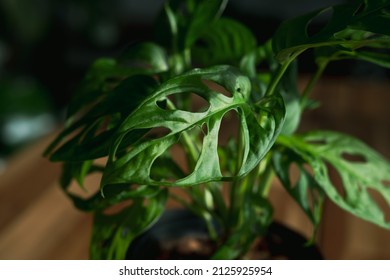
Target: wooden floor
38 222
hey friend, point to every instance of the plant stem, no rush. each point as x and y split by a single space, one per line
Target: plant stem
266 180
235 197
309 87
282 69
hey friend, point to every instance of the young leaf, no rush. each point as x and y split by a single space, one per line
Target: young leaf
369 172
306 192
258 137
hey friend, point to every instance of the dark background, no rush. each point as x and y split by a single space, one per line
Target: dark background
47 45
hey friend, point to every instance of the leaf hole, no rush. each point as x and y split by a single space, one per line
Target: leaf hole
314 198
162 104
381 202
227 143
198 103
354 157
217 87
171 166
386 183
117 207
319 22
294 174
204 129
157 132
203 132
317 142
336 180
229 127
184 101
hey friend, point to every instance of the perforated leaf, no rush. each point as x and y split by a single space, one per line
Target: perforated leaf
260 125
362 172
113 233
305 190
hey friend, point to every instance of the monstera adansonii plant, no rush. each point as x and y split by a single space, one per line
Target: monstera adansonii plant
150 120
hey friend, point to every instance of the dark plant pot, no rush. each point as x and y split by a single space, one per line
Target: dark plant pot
162 240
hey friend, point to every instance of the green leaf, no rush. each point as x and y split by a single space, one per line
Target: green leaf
287 86
112 195
183 21
110 89
370 16
306 192
289 90
380 59
90 136
226 41
362 171
259 127
106 73
148 57
205 13
112 234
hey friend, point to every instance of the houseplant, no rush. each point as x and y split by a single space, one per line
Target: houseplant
134 115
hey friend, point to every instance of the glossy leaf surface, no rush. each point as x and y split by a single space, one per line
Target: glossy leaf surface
258 136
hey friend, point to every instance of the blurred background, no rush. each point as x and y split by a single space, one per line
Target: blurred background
46 47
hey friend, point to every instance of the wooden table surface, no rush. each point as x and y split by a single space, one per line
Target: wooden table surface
38 222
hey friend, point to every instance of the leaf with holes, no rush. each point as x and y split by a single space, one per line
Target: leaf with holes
362 171
112 233
306 192
292 37
287 86
257 136
106 73
110 90
89 137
